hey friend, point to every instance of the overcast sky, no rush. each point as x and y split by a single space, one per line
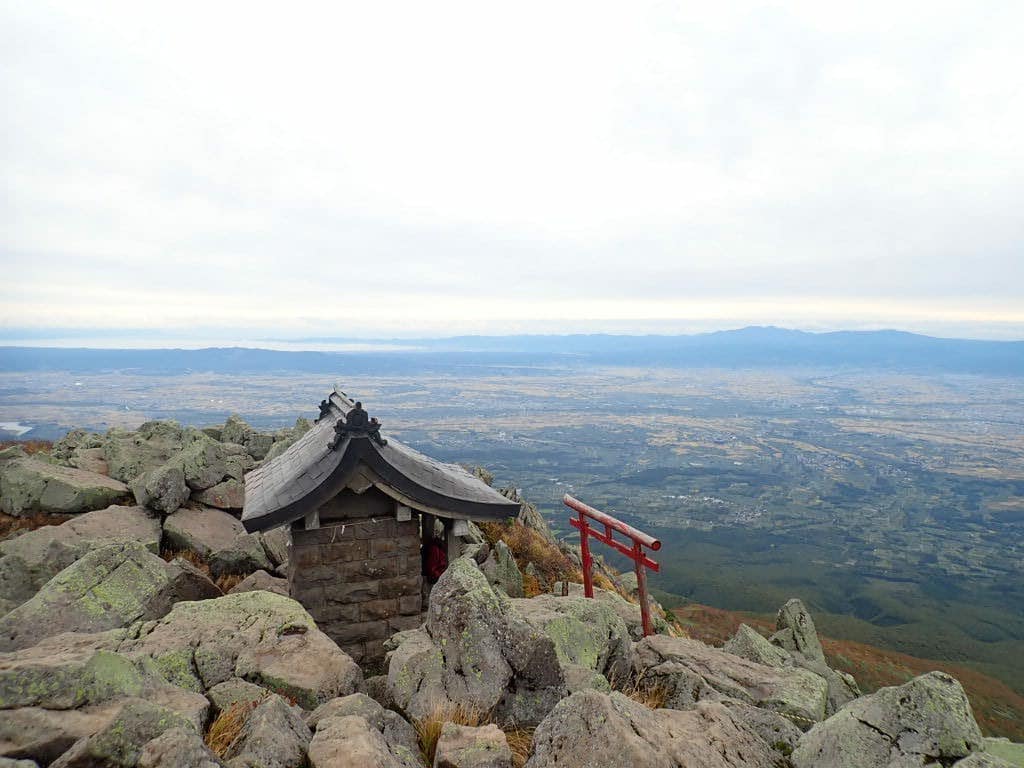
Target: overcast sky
372 169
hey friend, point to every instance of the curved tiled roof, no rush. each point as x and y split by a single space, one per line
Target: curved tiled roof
309 473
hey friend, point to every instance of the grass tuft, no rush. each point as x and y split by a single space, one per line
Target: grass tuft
226 728
11 523
428 729
530 546
520 741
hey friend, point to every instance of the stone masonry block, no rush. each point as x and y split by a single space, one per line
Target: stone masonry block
372 610
340 592
401 586
410 604
362 570
345 551
402 623
348 632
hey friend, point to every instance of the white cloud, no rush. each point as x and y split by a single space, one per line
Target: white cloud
470 166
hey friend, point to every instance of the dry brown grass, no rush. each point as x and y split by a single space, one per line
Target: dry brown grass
529 546
531 585
228 581
189 556
228 725
9 523
520 741
28 446
428 729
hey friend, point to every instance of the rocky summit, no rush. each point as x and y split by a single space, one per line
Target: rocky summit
142 625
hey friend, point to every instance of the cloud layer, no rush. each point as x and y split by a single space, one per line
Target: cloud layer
365 169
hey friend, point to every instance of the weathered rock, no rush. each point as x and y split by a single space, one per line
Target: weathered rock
131 454
30 560
110 587
274 736
203 461
502 571
7 762
627 611
178 748
237 431
596 730
162 488
44 734
462 746
587 634
201 530
121 741
398 734
260 637
926 720
234 691
229 494
29 485
750 644
690 671
796 631
983 760
277 544
89 459
1005 750
261 580
245 554
475 650
351 742
778 732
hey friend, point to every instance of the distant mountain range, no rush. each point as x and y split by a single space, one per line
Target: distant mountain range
753 347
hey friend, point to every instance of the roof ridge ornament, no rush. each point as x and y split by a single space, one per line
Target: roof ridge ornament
357 423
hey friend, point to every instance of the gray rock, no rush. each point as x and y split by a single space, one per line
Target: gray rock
29 485
502 571
121 741
627 611
28 561
586 633
203 461
1006 750
234 691
690 671
162 488
110 587
74 441
229 494
984 760
201 530
776 731
131 454
477 651
274 736
462 746
750 644
376 688
352 742
277 544
398 734
259 637
244 555
596 730
178 748
796 631
261 580
45 734
237 431
926 720
6 762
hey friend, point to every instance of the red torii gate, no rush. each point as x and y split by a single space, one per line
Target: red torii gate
634 552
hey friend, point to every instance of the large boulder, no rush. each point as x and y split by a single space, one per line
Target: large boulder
131 454
259 637
28 561
627 611
398 734
927 720
178 748
245 555
256 444
120 742
29 485
203 461
261 580
162 488
110 587
463 746
596 730
352 742
475 650
589 636
502 572
690 671
229 494
274 735
201 530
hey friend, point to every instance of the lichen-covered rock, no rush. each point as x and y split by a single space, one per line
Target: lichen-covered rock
274 736
245 554
234 691
927 720
178 748
752 645
627 611
984 760
7 762
131 454
587 634
201 530
691 671
351 741
110 587
30 560
796 632
477 651
595 730
277 543
203 461
229 494
397 732
162 488
259 637
237 431
121 741
45 734
261 580
29 485
502 572
463 746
